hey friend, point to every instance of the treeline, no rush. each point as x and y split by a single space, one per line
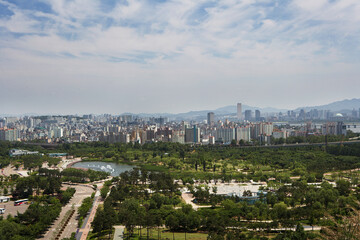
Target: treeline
6 146
80 176
48 182
345 150
310 139
205 157
181 158
28 161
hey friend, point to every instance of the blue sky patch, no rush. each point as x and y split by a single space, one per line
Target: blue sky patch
5 11
34 5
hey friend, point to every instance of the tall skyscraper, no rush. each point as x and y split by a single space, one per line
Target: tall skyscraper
354 113
239 111
210 118
9 135
248 115
257 115
302 114
192 135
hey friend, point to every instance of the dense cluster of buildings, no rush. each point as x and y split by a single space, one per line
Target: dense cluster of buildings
246 126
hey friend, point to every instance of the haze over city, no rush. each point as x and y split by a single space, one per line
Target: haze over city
69 57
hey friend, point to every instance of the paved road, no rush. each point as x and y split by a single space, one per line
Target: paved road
119 231
306 228
188 197
81 193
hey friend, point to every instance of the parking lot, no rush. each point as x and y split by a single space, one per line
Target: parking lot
13 210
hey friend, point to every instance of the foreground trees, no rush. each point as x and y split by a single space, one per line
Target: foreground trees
155 202
29 225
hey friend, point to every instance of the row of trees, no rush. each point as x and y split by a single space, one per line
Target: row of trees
84 209
80 176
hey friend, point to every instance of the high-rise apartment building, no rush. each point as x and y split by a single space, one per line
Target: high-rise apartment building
58 132
268 128
257 115
9 135
248 115
239 111
192 135
225 135
332 128
302 115
178 136
354 113
243 133
210 118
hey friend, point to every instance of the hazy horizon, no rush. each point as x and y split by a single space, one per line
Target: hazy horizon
76 57
158 113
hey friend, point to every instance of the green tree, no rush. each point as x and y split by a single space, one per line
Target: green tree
172 222
104 191
343 187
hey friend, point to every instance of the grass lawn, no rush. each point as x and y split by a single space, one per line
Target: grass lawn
165 234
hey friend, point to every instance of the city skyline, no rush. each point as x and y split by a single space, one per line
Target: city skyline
68 57
344 106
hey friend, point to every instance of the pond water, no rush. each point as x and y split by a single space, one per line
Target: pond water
113 168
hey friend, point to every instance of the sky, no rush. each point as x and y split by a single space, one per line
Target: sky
95 56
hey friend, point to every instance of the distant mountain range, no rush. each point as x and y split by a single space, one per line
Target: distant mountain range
228 110
339 106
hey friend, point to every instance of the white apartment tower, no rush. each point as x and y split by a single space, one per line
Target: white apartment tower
239 111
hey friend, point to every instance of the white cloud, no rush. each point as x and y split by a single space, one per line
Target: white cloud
232 49
311 5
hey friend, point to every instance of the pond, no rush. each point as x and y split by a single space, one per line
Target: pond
113 168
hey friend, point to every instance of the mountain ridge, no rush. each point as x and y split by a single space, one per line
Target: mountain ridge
342 105
345 105
337 106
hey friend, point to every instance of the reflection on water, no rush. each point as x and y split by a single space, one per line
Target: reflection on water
113 168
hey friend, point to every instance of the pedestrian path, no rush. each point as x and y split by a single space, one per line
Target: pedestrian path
119 232
83 233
